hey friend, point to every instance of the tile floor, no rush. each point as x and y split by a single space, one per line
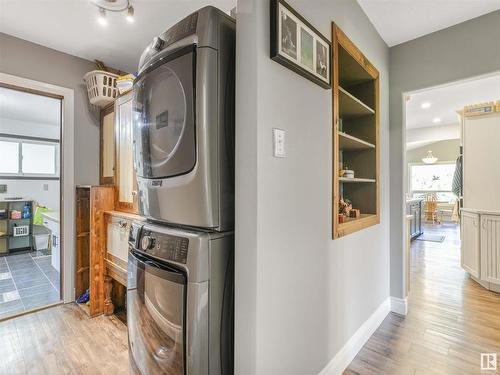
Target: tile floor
27 283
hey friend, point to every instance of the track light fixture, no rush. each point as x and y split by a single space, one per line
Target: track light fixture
113 6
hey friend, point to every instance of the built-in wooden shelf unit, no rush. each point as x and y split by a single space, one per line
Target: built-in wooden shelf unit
355 97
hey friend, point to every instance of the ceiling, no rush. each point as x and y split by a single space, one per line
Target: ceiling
445 101
22 106
71 26
399 21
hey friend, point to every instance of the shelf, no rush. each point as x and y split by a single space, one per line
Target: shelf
349 143
350 106
83 234
356 180
353 225
350 71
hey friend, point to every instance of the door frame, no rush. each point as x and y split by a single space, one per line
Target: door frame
66 171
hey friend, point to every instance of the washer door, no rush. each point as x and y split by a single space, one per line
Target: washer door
164 119
156 297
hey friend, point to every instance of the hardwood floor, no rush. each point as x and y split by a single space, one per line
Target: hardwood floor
63 340
451 319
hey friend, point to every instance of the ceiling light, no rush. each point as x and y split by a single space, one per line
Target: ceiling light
425 105
130 14
435 120
101 18
429 159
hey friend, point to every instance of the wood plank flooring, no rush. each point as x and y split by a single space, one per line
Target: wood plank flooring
63 340
451 319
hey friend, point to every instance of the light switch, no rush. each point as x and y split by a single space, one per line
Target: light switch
279 143
45 187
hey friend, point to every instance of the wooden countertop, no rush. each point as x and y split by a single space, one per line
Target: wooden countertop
125 215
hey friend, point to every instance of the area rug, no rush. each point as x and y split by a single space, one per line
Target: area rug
431 237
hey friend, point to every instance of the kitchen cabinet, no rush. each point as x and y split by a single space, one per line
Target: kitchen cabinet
107 164
414 209
480 246
490 249
126 184
469 253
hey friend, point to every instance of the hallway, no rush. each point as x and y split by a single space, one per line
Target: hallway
450 321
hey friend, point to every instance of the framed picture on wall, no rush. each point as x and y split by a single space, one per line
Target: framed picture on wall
296 44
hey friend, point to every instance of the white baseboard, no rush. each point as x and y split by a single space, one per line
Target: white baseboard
399 305
345 356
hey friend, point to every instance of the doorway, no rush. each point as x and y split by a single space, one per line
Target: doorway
30 197
433 170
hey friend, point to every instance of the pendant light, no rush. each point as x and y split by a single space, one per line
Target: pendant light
429 159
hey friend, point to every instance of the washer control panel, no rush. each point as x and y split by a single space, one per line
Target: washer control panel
164 246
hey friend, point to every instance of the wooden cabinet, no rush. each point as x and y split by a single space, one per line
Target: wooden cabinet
91 203
126 184
490 249
355 96
470 245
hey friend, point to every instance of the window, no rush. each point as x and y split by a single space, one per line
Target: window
9 157
28 158
432 178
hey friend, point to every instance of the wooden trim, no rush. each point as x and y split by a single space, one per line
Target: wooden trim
351 48
368 219
101 199
31 91
335 132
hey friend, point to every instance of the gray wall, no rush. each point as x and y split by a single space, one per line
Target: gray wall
33 61
299 295
459 52
447 150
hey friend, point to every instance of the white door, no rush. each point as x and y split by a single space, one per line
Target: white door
470 243
490 248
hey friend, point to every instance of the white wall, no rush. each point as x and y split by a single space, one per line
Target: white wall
34 189
444 150
299 295
463 51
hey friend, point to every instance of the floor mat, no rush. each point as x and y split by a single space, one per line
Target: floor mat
431 237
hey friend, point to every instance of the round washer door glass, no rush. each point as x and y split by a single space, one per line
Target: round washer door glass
164 122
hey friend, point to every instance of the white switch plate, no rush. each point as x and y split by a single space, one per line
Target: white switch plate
279 143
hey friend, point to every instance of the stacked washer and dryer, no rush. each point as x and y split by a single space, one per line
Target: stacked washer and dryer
180 294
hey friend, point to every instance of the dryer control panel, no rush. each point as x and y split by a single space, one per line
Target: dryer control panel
164 246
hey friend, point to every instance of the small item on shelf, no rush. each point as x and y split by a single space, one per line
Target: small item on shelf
341 125
125 83
497 106
84 298
26 211
21 230
345 206
348 173
355 213
15 215
479 109
342 218
3 214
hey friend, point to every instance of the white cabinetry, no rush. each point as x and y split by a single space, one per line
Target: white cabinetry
490 249
470 243
480 248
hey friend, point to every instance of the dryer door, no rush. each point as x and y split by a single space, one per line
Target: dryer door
164 119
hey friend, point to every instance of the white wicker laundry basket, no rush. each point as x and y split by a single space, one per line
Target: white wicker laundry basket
101 87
